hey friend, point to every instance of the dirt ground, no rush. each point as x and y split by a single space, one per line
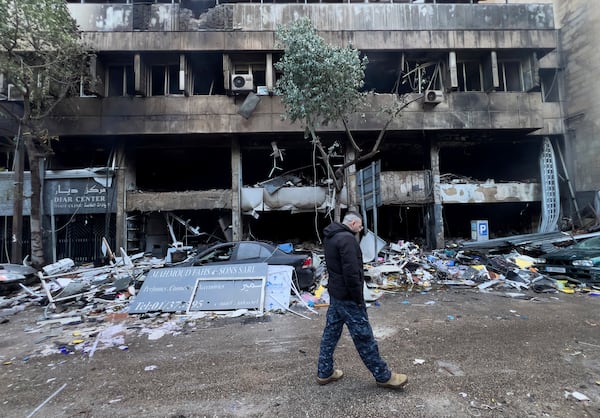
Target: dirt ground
466 354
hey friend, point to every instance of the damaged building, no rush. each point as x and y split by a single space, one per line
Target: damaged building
180 138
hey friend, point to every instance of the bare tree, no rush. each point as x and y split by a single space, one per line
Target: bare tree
42 58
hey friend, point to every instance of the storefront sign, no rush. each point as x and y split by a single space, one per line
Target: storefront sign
84 195
213 287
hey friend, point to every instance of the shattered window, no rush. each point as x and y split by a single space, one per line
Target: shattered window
174 79
248 250
422 76
218 254
509 73
165 80
158 81
549 81
120 80
589 244
223 254
469 76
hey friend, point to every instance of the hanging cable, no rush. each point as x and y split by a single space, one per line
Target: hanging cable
314 166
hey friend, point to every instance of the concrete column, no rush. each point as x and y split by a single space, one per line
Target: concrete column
121 195
270 80
236 190
437 222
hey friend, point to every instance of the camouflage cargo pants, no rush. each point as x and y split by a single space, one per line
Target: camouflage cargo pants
355 317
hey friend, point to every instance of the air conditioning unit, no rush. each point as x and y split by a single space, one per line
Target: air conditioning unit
242 82
14 93
434 96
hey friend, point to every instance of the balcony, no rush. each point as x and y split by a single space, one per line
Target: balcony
245 27
218 115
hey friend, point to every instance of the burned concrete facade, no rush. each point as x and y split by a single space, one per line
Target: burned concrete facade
580 91
483 136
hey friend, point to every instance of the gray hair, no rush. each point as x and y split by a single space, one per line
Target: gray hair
351 216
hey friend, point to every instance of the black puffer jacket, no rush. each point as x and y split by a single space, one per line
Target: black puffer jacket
343 258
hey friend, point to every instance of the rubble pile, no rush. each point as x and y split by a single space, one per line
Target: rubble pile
405 267
88 307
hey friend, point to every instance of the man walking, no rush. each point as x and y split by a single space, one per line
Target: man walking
343 258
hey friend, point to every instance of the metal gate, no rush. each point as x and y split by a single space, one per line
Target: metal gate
77 237
80 237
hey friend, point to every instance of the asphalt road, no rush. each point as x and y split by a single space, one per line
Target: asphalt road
466 354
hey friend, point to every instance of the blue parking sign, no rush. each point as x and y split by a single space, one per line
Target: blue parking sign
483 228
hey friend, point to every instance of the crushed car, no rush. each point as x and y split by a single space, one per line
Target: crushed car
256 252
12 276
579 262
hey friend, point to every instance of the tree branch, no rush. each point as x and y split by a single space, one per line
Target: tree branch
375 150
331 173
350 137
52 106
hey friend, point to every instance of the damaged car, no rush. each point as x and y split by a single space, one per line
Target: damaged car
579 262
305 277
13 276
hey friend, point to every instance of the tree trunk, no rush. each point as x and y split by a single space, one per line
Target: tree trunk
338 181
35 219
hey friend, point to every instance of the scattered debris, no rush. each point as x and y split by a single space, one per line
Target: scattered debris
449 368
576 395
99 299
12 276
40 406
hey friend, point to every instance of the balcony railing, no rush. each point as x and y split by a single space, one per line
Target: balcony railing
389 16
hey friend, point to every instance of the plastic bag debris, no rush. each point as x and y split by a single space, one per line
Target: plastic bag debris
576 395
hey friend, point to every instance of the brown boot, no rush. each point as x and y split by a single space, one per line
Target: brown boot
397 381
336 375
